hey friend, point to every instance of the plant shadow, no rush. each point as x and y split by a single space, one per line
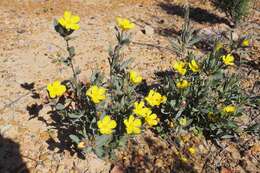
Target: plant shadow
10 157
35 108
196 14
62 142
63 129
153 155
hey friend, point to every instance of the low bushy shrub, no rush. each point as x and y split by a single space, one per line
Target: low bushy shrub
198 94
235 9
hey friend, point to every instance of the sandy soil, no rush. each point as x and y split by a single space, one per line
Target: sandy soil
28 47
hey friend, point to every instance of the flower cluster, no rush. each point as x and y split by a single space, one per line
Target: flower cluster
198 95
144 112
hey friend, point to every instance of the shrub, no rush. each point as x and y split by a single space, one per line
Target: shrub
102 114
203 95
198 94
235 9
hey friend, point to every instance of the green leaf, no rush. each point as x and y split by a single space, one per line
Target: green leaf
126 63
71 51
88 149
74 115
193 41
227 137
100 152
122 141
172 103
217 76
179 113
255 128
60 106
103 140
232 125
74 138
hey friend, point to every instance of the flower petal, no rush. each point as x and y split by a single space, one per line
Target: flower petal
67 15
75 19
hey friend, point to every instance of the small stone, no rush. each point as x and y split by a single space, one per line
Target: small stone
148 30
60 169
205 33
117 169
159 163
234 152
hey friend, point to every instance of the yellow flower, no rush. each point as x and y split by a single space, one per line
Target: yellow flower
155 99
184 159
135 78
183 84
228 59
179 66
124 24
171 124
141 110
229 109
106 125
152 119
183 121
69 21
56 89
192 150
194 66
81 145
133 125
97 94
245 43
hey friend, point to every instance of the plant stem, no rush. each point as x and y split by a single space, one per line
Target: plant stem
71 55
70 60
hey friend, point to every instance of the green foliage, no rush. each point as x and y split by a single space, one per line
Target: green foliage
235 9
200 104
202 96
187 37
81 114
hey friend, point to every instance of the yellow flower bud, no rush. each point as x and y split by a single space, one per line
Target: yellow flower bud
192 150
81 145
245 43
183 84
229 109
183 121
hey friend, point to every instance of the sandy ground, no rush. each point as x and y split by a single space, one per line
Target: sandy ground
28 47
